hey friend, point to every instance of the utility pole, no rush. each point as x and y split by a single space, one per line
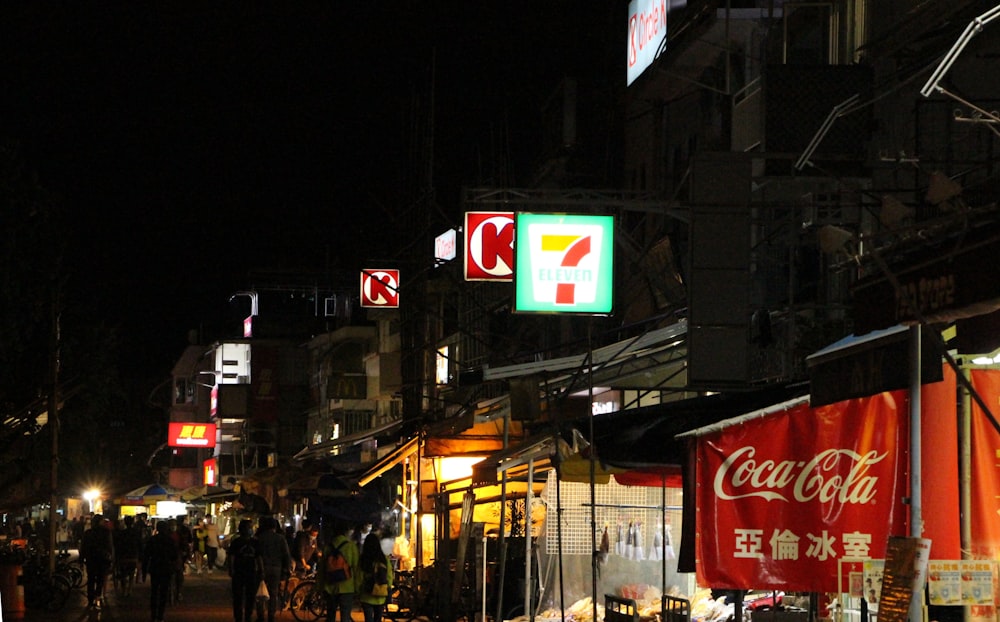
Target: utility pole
53 408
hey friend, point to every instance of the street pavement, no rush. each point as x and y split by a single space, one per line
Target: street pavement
205 598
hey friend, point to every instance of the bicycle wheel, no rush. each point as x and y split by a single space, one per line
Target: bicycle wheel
307 602
401 604
59 591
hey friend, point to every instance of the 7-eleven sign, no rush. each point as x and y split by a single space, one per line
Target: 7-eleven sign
380 288
489 246
563 263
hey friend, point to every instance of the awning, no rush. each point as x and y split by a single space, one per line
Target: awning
643 437
321 484
390 460
648 361
858 366
326 447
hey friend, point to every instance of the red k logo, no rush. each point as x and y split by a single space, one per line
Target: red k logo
489 246
380 288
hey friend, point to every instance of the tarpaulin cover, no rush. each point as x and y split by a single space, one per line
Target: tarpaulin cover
644 437
782 498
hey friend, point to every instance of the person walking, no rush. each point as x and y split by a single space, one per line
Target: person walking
159 561
340 552
211 543
376 577
275 563
199 546
128 550
97 552
243 562
63 536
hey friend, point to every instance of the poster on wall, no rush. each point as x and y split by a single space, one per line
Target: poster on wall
783 496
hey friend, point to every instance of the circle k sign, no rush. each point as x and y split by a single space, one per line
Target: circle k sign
380 288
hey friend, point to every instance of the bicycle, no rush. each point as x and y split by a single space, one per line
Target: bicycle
409 599
307 601
42 590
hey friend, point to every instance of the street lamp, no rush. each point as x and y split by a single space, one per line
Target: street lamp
92 495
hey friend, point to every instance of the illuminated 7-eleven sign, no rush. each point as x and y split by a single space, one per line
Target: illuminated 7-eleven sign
563 263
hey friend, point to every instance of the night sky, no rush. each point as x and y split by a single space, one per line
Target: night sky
194 142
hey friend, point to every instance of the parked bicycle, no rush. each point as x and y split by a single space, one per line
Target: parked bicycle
303 597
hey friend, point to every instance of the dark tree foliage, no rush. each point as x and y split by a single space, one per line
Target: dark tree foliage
102 436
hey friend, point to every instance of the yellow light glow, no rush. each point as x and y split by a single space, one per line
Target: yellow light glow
450 469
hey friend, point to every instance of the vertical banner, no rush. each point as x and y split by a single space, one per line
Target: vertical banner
781 499
985 478
939 465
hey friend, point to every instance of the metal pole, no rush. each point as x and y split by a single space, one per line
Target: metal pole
53 407
527 540
916 511
502 542
594 556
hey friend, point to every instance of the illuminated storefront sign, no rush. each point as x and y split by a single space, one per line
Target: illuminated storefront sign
380 288
444 247
210 469
647 30
563 263
489 246
191 434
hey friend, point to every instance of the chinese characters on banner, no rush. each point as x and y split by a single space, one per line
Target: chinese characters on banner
782 498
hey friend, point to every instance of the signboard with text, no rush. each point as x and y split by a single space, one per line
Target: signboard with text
489 246
647 30
380 288
782 498
184 434
563 263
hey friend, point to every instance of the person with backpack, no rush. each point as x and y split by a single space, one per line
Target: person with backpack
338 573
243 562
376 577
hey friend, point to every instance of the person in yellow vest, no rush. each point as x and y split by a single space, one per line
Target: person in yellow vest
376 577
339 574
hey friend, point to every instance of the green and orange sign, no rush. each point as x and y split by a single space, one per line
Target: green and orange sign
563 263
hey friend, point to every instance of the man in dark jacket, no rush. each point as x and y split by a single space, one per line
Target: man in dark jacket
159 561
97 551
243 561
275 561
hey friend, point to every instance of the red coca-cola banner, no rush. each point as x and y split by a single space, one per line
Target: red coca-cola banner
781 499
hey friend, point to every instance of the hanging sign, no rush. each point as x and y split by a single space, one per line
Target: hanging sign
191 434
489 246
782 498
380 288
563 263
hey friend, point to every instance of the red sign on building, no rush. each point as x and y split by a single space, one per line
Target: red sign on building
489 246
183 434
210 472
380 288
782 498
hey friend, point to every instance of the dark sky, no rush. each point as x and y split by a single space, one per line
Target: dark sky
193 142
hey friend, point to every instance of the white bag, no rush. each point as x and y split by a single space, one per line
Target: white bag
262 594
